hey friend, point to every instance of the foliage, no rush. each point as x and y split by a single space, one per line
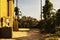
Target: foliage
16 10
50 25
58 17
28 22
57 33
47 9
47 26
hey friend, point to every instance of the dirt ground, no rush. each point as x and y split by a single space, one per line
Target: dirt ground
31 34
26 34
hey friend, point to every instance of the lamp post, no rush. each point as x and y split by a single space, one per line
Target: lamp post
41 8
16 3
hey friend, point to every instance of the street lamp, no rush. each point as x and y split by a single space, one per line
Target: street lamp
41 8
16 3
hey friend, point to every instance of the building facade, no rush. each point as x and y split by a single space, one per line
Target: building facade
6 13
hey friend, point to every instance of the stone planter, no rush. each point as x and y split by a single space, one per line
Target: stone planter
6 32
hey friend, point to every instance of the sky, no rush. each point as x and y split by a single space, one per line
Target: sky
32 7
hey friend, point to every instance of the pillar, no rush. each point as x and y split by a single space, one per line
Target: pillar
11 12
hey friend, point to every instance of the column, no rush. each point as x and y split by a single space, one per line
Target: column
11 12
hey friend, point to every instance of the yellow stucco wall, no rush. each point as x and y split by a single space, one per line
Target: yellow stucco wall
11 12
3 8
4 12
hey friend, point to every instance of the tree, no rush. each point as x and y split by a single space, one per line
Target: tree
58 17
16 10
47 26
47 9
28 22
